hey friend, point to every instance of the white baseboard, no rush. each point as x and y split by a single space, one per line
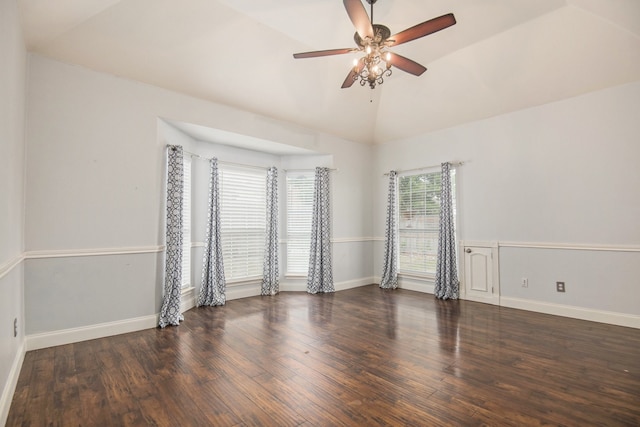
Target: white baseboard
418 285
101 330
613 318
242 291
294 285
188 300
10 385
68 336
84 333
356 283
300 285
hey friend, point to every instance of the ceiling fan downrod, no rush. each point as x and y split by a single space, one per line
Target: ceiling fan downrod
371 2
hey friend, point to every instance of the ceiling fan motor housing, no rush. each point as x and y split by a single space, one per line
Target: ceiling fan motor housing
380 34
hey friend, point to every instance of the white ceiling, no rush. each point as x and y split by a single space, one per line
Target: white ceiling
219 136
501 56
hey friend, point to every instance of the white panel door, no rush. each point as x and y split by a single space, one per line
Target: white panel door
479 275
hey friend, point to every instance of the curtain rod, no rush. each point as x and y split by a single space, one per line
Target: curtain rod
425 167
307 170
221 161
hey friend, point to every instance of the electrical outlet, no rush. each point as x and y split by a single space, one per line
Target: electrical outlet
15 327
524 282
560 286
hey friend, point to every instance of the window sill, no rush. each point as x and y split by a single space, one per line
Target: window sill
417 276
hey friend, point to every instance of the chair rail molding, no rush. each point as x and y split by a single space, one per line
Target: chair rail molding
8 266
69 253
570 246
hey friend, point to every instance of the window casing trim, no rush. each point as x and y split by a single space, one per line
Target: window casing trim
406 272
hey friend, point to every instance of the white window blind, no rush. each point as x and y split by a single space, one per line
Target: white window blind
243 221
419 221
186 223
299 215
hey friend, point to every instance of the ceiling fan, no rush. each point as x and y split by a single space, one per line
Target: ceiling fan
373 40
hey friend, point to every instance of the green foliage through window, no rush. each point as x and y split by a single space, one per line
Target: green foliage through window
418 221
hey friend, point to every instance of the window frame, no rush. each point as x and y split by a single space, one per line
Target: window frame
298 248
247 245
427 272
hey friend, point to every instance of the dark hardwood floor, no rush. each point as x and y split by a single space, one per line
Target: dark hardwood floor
362 357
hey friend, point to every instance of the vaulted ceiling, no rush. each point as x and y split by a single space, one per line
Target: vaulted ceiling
501 56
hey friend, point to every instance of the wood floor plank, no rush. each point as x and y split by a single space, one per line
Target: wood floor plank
93 396
361 357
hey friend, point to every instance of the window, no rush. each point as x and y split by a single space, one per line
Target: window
243 221
299 215
418 221
186 223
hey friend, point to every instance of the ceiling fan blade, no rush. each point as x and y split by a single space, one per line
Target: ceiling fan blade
358 15
322 53
406 64
428 27
350 80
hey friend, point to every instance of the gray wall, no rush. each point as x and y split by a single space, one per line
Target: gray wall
12 95
95 179
565 174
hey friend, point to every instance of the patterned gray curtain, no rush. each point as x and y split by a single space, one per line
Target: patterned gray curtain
447 285
170 311
390 268
270 273
212 290
320 276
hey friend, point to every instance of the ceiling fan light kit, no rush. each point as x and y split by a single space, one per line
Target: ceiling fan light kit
376 64
374 40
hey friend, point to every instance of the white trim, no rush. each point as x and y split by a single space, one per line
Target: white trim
294 284
417 276
243 291
345 240
64 253
355 283
10 265
188 299
299 284
84 333
11 383
253 280
479 244
424 285
594 315
352 239
571 246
